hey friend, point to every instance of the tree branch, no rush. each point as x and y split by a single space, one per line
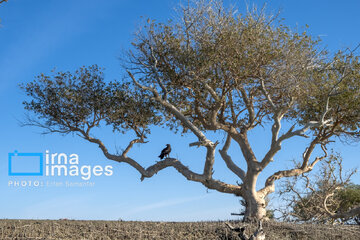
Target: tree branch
227 159
304 168
209 183
131 144
212 92
169 162
267 95
351 213
210 160
242 140
249 106
157 77
205 178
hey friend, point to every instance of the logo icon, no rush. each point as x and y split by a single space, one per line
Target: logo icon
25 164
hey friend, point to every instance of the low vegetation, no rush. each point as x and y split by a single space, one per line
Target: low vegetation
71 229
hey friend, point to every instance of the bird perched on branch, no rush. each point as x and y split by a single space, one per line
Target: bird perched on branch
165 152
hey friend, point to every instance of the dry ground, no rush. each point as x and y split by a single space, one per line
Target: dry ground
70 229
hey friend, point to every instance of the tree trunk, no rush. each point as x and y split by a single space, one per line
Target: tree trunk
255 212
254 207
254 203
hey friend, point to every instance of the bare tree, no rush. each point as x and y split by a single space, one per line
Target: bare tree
213 69
324 196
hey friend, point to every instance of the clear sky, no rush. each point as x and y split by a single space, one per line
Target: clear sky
38 36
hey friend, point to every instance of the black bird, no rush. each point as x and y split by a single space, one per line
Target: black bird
165 152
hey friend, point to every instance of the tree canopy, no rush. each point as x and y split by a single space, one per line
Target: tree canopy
81 100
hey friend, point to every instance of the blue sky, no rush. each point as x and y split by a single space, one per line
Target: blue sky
38 36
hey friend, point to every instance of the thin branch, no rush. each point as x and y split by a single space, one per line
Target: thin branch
142 86
131 144
157 77
267 95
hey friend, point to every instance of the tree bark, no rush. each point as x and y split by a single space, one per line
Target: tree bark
255 207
